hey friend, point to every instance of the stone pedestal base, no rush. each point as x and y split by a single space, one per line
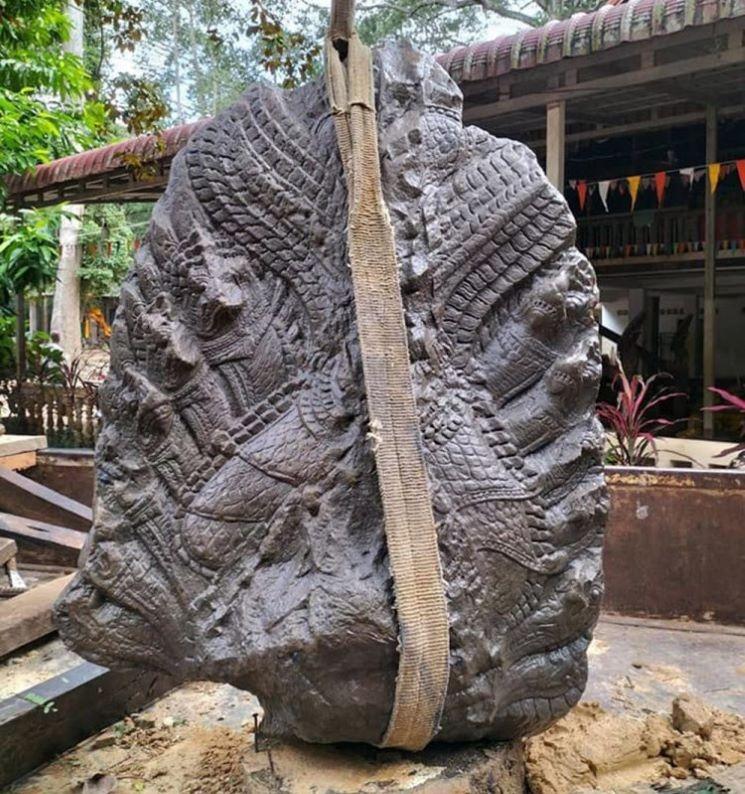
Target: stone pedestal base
440 769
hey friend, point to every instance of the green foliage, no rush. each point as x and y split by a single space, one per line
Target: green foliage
432 27
290 56
31 36
139 102
7 346
106 238
43 107
29 251
44 359
198 53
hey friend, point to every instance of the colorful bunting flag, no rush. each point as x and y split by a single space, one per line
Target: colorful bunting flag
714 170
634 182
660 180
604 186
741 172
691 174
582 193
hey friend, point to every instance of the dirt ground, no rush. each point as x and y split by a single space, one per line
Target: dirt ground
626 737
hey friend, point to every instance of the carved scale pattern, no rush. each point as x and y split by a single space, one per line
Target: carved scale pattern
238 532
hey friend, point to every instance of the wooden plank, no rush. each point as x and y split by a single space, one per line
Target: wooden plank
27 617
51 717
710 269
42 543
14 445
21 460
22 496
68 472
555 144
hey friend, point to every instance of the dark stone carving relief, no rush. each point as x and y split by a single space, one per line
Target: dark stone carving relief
238 533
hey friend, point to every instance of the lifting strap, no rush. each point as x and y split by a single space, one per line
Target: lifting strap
411 535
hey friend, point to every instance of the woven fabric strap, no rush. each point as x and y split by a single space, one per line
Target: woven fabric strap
411 535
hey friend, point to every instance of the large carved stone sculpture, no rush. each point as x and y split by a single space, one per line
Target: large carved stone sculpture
238 532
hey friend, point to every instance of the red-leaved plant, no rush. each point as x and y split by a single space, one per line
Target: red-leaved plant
731 403
633 430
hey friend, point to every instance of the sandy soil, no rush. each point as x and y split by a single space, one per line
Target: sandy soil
36 664
592 749
200 740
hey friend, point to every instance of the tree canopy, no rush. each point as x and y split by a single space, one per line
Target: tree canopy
44 110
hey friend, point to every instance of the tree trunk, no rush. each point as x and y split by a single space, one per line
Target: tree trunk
20 338
177 59
66 304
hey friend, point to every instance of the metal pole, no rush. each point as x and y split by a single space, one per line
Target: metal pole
710 262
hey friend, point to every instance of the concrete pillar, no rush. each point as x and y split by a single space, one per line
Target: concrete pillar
710 262
555 143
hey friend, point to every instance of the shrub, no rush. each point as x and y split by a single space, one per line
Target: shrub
633 429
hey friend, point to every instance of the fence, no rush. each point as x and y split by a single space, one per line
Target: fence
68 417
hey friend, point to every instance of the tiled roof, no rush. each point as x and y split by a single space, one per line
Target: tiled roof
98 162
611 25
583 34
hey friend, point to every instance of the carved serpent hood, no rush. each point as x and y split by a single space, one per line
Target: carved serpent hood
238 530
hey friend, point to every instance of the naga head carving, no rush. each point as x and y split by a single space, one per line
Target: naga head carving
238 528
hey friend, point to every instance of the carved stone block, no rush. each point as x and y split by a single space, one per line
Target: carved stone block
238 533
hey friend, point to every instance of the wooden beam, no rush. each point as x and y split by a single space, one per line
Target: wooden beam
14 445
681 90
637 77
663 123
81 194
27 617
555 143
20 495
710 262
39 723
19 461
41 543
518 129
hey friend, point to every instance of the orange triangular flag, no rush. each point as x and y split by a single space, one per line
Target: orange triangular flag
582 193
714 171
741 172
660 179
633 188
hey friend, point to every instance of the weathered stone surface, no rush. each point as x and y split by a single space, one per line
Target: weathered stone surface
238 533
